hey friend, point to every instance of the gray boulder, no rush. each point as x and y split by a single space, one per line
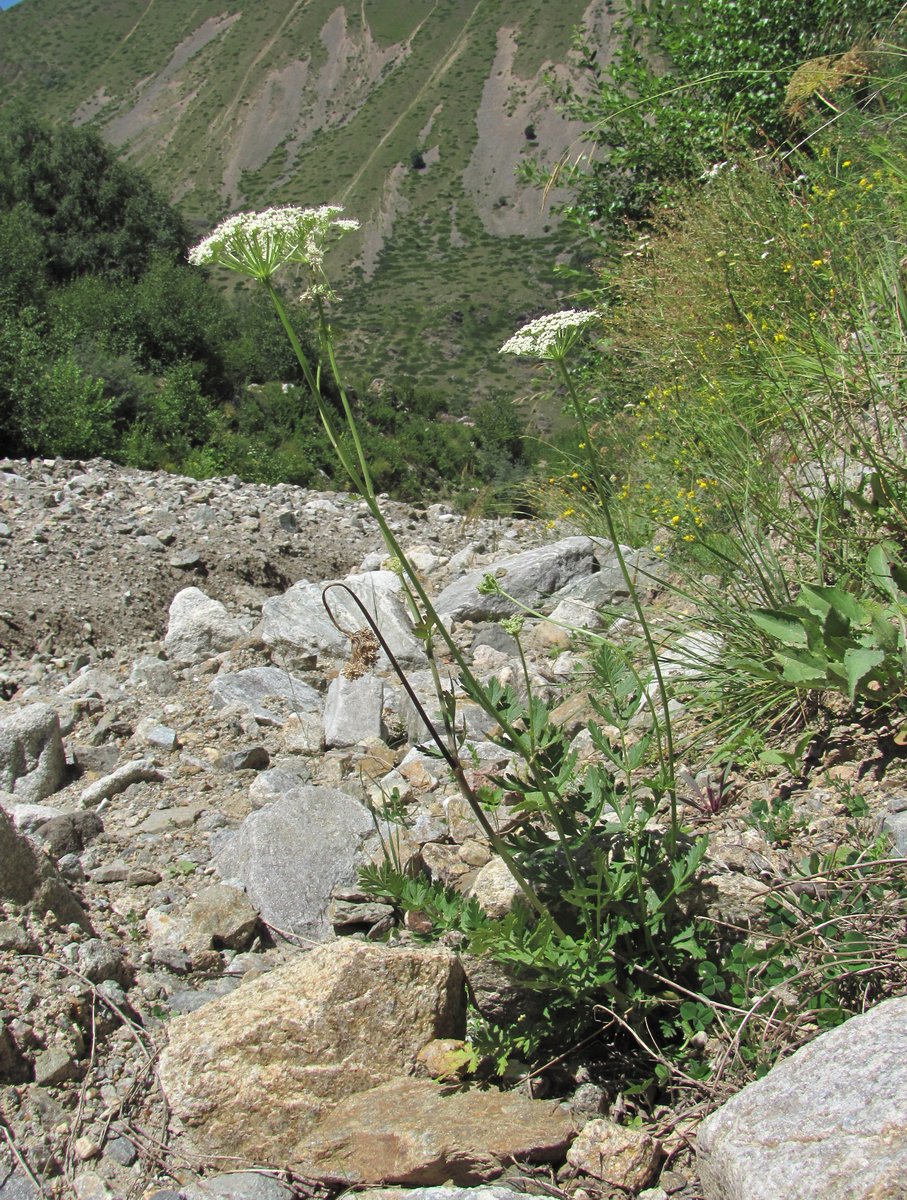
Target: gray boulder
28 877
32 762
352 712
829 1121
298 625
269 694
290 856
199 627
529 577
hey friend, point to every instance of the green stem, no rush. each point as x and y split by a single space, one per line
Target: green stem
595 477
359 475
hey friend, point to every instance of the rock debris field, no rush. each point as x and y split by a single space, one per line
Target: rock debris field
195 999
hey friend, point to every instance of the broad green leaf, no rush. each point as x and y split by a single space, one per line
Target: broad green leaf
859 662
781 626
820 599
803 673
878 567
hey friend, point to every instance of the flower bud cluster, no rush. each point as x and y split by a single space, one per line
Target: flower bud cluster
258 244
550 336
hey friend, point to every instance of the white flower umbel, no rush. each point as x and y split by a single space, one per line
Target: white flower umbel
549 337
258 244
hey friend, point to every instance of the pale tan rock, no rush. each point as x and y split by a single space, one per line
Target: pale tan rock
412 1131
621 1157
475 854
219 917
495 889
444 863
249 1074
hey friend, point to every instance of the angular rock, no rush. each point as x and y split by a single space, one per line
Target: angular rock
489 1192
55 1065
69 833
269 694
352 711
152 733
27 876
829 1121
495 889
251 1073
13 1067
291 856
297 624
623 1158
410 1131
199 627
154 674
529 577
239 1185
32 762
218 918
99 962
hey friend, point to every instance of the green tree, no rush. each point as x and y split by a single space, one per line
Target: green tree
691 84
95 214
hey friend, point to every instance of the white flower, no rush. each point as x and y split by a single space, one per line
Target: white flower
549 336
258 244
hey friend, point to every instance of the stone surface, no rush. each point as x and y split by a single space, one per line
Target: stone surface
410 1131
199 627
15 1184
291 856
488 1192
352 711
268 694
250 1073
829 1121
529 577
27 876
495 889
621 1157
239 1185
297 623
218 918
32 762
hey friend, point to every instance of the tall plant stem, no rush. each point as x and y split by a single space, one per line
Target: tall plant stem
595 477
424 610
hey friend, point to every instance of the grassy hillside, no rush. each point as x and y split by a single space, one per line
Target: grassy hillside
414 116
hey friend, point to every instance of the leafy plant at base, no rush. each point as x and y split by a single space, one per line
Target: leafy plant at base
830 639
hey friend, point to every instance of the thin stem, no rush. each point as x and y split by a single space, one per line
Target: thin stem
595 476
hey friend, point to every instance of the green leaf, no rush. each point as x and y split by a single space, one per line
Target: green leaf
781 626
859 662
820 599
802 672
878 567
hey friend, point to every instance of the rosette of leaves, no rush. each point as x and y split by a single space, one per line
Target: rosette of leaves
831 639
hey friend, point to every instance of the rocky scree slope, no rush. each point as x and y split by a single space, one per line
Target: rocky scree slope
190 775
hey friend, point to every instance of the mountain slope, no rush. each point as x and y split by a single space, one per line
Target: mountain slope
414 115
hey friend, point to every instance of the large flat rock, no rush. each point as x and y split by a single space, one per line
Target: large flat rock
529 577
412 1131
251 1073
290 856
297 625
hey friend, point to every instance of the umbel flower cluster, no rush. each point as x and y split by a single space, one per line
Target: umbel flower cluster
549 337
258 244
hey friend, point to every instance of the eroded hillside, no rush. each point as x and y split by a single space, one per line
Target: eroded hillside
415 117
